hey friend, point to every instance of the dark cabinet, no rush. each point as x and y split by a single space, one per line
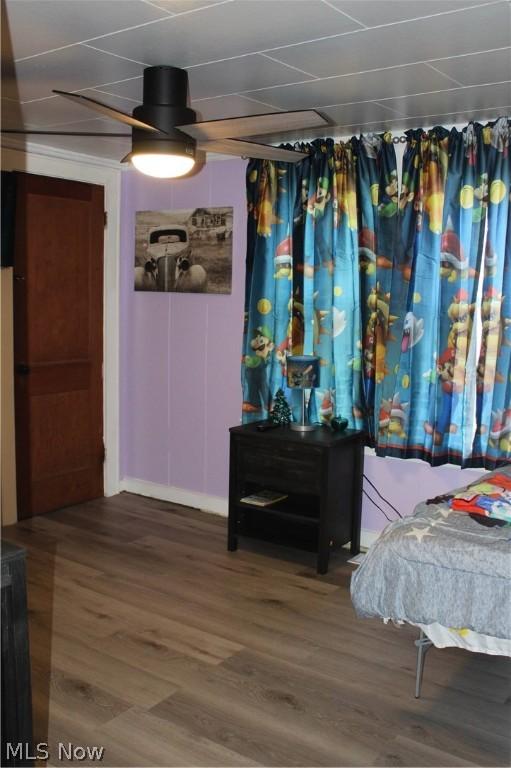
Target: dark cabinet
16 688
321 474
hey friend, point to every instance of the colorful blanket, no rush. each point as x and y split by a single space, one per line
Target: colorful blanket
489 498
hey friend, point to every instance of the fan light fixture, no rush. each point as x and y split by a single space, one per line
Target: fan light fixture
162 166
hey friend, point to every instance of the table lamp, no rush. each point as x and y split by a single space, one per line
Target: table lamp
302 373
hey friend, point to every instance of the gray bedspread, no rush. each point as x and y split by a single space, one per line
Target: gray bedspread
439 565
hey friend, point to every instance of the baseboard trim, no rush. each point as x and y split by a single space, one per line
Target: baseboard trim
204 501
216 505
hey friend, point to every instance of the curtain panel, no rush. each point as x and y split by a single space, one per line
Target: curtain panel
307 289
449 396
405 299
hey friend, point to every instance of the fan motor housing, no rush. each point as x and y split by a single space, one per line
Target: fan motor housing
166 85
165 105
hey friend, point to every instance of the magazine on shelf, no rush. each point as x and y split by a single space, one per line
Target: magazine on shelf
264 498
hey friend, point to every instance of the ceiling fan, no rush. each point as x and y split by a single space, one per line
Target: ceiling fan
169 142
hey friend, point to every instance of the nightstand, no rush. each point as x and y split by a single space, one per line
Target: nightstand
321 473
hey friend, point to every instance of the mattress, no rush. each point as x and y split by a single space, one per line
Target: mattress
439 567
446 637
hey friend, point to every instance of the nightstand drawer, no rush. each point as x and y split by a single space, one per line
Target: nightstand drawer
280 465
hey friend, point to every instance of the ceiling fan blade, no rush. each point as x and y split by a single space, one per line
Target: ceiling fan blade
67 133
255 125
104 109
251 149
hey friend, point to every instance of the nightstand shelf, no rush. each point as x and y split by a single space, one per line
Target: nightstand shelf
283 510
321 471
304 508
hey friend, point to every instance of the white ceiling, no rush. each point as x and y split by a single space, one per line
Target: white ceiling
368 65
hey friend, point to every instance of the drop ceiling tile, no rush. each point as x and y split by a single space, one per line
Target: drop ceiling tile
488 67
361 87
94 125
422 40
234 75
458 100
359 114
129 89
113 149
41 25
223 77
119 102
40 113
374 12
53 110
228 29
228 106
69 69
182 6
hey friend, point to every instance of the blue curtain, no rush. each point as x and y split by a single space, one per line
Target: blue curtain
406 300
306 292
449 398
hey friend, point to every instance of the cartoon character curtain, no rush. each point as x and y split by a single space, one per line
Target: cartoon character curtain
304 285
406 301
450 398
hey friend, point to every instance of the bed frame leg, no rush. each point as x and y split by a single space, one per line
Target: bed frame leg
423 644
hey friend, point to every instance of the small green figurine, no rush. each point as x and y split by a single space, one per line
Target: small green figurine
281 412
338 424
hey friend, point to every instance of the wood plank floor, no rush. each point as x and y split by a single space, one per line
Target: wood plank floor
148 638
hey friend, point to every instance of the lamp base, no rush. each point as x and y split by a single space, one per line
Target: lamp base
302 427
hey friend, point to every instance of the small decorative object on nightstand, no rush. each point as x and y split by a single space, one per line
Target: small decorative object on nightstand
318 476
303 373
281 412
338 424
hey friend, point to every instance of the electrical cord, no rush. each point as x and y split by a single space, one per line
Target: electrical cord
376 505
398 513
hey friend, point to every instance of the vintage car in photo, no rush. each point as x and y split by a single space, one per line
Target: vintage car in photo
167 245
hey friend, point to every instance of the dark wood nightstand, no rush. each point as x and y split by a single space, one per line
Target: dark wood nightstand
321 473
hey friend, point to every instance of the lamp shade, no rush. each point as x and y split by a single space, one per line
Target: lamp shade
302 371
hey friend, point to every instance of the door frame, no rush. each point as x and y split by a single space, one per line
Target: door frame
47 161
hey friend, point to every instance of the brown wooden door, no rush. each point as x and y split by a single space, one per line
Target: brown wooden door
58 343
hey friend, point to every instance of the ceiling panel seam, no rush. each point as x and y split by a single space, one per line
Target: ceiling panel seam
115 55
431 66
347 15
297 69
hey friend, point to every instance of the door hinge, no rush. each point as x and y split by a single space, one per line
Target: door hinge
103 452
105 218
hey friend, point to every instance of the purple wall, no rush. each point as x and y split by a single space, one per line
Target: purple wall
404 484
180 363
180 353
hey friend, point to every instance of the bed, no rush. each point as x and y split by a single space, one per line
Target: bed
446 572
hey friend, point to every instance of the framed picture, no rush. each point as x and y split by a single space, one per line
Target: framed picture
187 251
